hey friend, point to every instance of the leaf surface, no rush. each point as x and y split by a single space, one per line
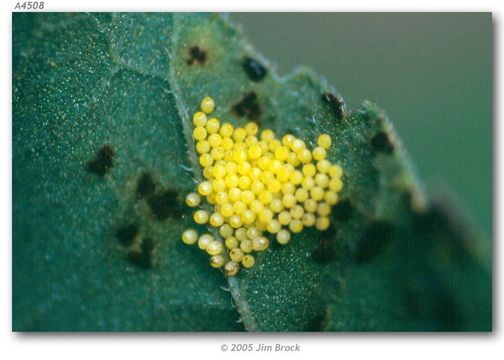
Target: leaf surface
103 158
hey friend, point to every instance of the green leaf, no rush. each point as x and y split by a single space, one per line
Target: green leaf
103 157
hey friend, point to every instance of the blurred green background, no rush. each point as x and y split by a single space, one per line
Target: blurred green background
432 73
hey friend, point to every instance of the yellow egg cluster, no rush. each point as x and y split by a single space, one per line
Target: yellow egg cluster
257 184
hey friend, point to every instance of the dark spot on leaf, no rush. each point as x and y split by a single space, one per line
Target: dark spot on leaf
342 211
446 228
126 234
381 143
145 186
336 104
255 70
248 106
433 220
164 204
147 245
142 258
324 251
197 56
374 241
103 161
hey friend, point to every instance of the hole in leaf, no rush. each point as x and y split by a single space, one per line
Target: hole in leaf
248 106
336 104
164 204
126 234
255 70
145 186
381 143
142 258
103 161
197 56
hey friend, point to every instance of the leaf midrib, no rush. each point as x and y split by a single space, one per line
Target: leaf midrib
235 289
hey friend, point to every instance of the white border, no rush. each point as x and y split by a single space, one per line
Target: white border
166 346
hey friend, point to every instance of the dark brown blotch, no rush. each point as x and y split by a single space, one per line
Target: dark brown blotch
165 204
102 162
381 143
142 258
248 106
342 211
126 234
374 241
336 104
197 56
254 69
145 186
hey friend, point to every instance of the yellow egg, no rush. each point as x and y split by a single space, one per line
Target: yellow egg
226 231
254 152
199 133
248 261
296 226
246 246
324 141
267 135
231 242
308 219
324 166
201 217
217 261
336 184
214 248
231 268
204 240
284 218
287 140
260 243
288 200
216 219
331 198
309 170
322 223
239 134
281 153
283 237
273 226
226 130
212 126
335 171
193 199
251 128
202 147
266 215
207 105
199 119
319 153
189 237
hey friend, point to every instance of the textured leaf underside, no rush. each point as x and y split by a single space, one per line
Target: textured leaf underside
103 155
